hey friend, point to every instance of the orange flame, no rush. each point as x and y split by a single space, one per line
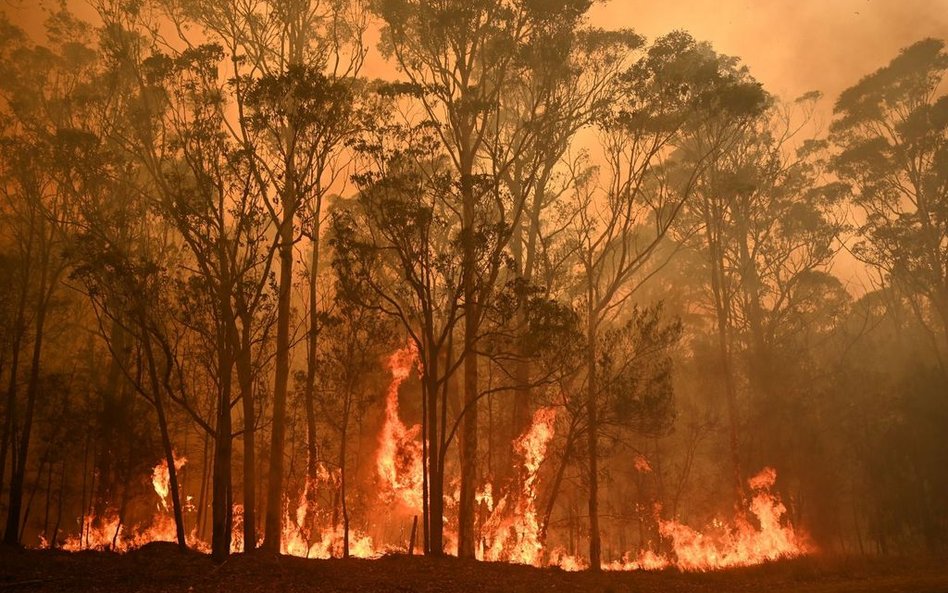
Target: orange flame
741 544
160 479
514 536
511 530
399 459
109 533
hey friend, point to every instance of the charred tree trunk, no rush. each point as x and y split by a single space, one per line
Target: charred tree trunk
221 511
165 439
309 390
273 527
466 537
435 460
343 435
18 476
115 413
9 422
592 430
722 319
244 364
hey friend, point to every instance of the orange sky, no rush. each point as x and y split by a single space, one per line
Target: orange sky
792 46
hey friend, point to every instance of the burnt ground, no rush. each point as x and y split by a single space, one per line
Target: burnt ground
161 567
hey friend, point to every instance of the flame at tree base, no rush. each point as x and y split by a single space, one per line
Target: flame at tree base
741 543
511 532
509 529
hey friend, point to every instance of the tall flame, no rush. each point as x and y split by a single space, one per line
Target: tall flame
512 533
399 458
109 533
161 479
723 546
511 530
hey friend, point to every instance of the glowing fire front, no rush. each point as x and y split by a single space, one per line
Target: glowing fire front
722 545
742 543
107 532
510 529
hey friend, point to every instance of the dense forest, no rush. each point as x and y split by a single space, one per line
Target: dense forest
547 294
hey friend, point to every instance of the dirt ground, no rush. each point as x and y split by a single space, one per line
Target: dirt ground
161 567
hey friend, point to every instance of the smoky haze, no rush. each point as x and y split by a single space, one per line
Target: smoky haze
561 283
792 47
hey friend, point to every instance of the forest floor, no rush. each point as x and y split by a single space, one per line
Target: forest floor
161 567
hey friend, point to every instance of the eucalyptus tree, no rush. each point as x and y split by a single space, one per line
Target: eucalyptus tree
354 338
36 91
291 67
463 58
767 232
889 130
396 252
620 227
565 88
205 191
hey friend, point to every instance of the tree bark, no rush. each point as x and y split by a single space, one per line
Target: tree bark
165 440
309 390
17 479
273 527
435 461
221 497
466 537
245 381
592 387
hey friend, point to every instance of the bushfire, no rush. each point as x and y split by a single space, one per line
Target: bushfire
510 528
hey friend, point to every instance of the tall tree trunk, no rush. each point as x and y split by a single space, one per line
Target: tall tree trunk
9 421
343 434
245 380
273 527
165 440
12 534
114 414
592 429
221 511
466 537
722 318
309 391
435 461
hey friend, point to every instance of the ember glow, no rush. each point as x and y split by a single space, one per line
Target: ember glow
740 542
108 532
510 531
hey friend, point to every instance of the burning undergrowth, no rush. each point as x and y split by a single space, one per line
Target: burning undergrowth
509 523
